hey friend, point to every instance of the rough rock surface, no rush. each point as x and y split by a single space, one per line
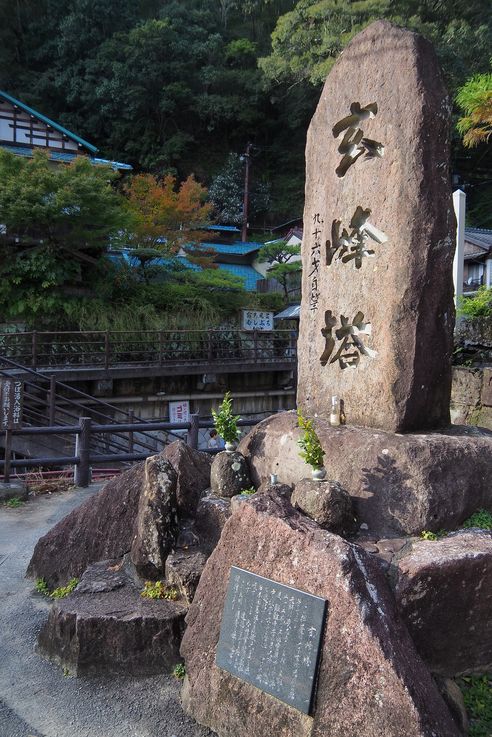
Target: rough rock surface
211 516
101 528
106 626
157 523
444 592
13 490
371 682
183 570
193 469
406 384
278 488
327 503
400 484
229 474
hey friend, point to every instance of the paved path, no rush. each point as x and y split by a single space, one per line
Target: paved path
36 699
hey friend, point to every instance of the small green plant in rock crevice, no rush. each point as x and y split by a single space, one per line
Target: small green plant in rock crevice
63 591
477 694
14 503
428 535
179 671
481 518
225 422
159 590
311 451
248 492
42 587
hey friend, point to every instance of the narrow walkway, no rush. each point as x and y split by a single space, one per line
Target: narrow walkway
36 699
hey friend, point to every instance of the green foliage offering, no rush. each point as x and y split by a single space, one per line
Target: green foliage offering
481 518
225 422
478 306
477 694
311 451
42 587
179 671
63 591
14 503
159 590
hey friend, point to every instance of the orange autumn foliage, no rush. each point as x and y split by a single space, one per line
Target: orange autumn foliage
164 215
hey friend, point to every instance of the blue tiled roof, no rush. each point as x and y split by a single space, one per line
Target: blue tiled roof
250 275
64 156
223 228
238 248
48 121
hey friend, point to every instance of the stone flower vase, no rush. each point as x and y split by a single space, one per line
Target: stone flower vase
230 447
318 474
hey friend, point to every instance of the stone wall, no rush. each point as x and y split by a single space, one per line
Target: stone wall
471 396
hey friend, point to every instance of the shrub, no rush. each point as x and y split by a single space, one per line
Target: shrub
481 518
158 590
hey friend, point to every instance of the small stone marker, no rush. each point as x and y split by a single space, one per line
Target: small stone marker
270 636
377 313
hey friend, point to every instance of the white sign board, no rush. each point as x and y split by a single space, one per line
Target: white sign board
257 320
179 411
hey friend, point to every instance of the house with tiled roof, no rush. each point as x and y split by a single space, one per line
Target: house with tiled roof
23 130
477 267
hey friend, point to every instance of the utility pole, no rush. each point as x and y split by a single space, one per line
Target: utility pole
246 157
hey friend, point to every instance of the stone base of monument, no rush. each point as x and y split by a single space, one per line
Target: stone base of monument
370 682
106 626
400 484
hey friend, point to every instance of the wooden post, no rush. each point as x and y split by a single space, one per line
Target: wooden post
161 347
34 349
210 347
106 350
8 455
52 401
192 436
82 475
131 413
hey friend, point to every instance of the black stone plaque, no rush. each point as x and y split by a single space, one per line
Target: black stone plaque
270 636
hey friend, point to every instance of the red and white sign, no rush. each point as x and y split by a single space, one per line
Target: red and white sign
179 411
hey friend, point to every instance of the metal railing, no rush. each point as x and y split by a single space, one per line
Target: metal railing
151 347
84 457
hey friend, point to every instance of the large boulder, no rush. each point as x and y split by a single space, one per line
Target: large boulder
444 592
400 484
106 626
193 469
327 503
102 527
183 570
229 474
371 681
157 522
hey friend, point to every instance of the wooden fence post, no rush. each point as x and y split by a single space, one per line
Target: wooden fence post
52 401
34 349
82 475
192 436
106 350
8 455
131 414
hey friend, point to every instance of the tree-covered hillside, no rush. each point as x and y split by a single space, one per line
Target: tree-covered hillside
175 87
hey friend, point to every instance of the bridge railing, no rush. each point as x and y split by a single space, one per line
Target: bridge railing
149 347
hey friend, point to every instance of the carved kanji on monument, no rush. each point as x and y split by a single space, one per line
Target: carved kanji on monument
377 314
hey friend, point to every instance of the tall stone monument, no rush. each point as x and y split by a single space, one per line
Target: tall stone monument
377 312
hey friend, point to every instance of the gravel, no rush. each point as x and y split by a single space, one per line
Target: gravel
36 699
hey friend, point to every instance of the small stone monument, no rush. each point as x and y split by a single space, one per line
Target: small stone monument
377 313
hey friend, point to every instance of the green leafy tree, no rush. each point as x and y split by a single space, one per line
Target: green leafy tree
58 220
226 193
279 254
